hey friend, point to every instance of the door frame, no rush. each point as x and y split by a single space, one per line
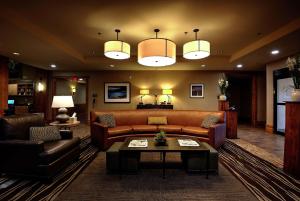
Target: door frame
277 75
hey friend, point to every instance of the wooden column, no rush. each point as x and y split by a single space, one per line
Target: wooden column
254 101
231 124
231 119
3 86
292 139
223 105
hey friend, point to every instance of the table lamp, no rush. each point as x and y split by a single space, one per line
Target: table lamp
167 92
143 92
62 102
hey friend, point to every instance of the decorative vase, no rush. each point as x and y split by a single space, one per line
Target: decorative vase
222 97
295 96
160 142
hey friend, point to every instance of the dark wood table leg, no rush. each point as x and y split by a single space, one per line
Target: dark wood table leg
120 164
164 164
207 163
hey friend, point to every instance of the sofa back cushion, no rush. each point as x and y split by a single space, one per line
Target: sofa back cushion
174 117
16 127
157 121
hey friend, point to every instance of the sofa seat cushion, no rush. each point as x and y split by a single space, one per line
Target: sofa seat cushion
144 128
119 130
170 128
54 150
197 131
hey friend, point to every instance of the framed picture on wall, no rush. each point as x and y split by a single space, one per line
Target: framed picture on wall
117 92
197 90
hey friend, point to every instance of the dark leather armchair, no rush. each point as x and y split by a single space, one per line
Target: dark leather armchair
20 156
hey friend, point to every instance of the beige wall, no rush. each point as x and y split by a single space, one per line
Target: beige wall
179 81
270 90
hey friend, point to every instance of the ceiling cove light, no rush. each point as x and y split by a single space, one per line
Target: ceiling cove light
156 52
116 49
52 65
196 49
274 52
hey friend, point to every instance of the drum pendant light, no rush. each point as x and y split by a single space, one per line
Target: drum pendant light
117 49
196 49
156 52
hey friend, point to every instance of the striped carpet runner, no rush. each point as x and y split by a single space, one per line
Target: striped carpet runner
21 189
263 179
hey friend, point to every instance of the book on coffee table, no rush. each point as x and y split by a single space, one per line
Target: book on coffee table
138 143
188 143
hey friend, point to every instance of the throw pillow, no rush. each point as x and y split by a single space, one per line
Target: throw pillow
157 120
209 121
107 119
46 133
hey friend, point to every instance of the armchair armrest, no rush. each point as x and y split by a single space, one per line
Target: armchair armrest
66 134
99 134
19 154
217 134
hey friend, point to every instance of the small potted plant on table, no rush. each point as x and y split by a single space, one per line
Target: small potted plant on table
160 138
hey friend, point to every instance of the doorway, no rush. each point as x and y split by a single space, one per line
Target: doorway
239 94
77 87
282 83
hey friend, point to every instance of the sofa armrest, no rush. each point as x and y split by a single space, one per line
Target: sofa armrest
99 134
66 134
217 134
19 154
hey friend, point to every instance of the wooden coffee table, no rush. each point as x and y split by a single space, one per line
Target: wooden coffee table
172 146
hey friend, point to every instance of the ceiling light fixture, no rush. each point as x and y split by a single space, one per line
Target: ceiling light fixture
203 65
16 53
156 52
274 52
52 65
239 65
117 49
196 49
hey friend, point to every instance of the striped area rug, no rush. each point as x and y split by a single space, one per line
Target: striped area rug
25 190
262 178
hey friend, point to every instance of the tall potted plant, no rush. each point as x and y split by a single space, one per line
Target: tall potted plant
223 85
293 63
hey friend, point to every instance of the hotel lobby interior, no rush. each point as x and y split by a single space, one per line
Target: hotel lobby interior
150 100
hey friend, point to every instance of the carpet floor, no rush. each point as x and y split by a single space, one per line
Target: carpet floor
148 185
16 189
263 178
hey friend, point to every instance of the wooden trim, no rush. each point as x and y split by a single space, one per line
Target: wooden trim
254 101
223 105
269 129
3 86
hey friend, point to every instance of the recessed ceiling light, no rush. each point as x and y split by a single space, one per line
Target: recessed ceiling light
203 65
52 65
16 53
111 65
80 79
239 65
274 52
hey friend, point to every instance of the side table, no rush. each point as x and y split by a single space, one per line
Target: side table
67 126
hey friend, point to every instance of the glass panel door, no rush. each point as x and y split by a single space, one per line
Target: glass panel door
283 92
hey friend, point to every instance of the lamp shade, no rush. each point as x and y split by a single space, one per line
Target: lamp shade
117 49
144 92
155 52
62 102
167 91
197 49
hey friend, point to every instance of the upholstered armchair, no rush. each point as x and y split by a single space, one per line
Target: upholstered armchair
20 156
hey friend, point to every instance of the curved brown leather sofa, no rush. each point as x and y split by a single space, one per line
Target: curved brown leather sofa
135 123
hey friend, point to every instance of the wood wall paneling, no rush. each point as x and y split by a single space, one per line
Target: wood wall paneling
254 101
3 85
292 139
